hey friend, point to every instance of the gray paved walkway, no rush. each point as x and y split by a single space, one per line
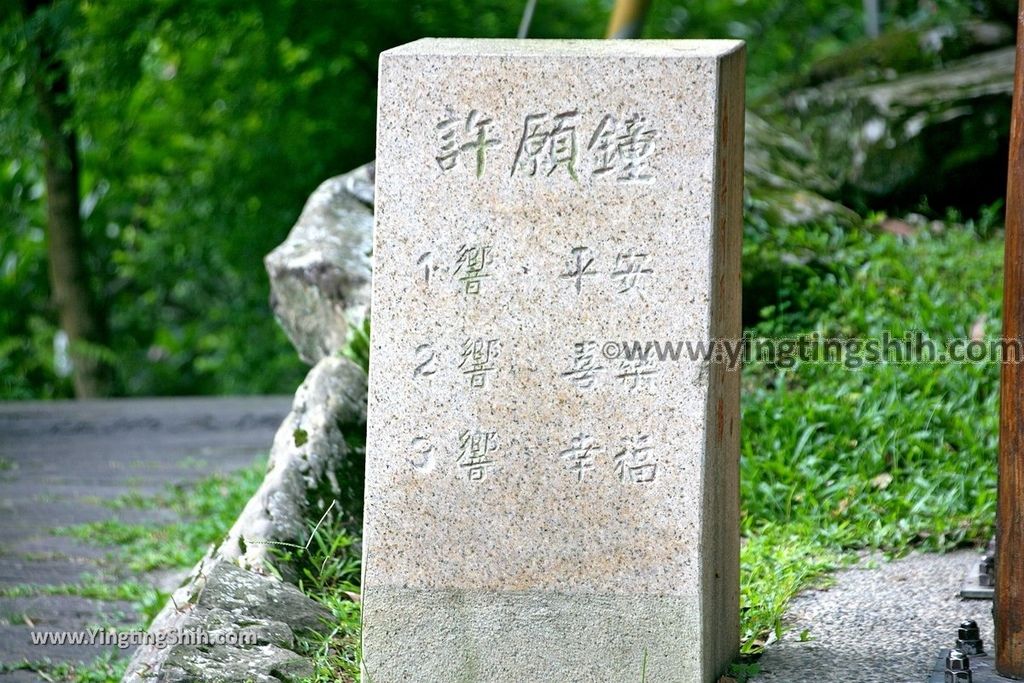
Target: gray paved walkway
59 459
883 622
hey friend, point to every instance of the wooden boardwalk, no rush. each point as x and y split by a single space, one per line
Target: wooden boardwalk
60 460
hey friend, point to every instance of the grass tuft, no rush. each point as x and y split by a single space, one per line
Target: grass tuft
207 509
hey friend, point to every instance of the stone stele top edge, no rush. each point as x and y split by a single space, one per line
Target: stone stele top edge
501 47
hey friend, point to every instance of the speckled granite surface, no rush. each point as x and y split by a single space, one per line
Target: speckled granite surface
537 507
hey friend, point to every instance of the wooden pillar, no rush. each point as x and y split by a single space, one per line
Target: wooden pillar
1009 595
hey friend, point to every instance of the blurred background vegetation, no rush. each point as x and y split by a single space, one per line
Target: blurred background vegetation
203 126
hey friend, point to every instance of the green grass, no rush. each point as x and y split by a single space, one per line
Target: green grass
146 599
207 508
357 345
90 587
107 668
886 457
329 570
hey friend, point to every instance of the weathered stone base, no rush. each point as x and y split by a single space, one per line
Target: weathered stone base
463 636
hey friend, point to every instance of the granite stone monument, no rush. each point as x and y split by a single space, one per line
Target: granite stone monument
542 505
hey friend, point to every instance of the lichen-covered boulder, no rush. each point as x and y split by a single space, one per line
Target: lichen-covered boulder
316 460
909 50
250 624
784 182
320 274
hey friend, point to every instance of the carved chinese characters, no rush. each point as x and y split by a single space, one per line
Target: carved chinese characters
619 148
540 506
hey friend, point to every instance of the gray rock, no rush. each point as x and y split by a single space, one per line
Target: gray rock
313 462
909 50
316 459
320 275
784 178
263 614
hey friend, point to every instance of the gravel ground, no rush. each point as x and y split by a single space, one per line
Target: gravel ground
880 621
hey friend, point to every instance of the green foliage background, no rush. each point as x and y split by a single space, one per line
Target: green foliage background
205 125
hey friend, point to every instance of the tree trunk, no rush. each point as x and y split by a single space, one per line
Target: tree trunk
872 18
628 19
80 316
